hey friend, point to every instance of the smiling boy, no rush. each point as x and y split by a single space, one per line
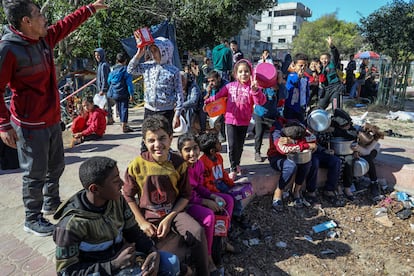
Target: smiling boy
97 232
159 178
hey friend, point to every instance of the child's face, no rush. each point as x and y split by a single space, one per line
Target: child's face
87 106
218 146
111 188
324 60
190 151
214 82
243 73
155 52
300 66
158 144
313 65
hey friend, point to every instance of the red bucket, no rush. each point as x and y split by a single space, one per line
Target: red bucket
266 75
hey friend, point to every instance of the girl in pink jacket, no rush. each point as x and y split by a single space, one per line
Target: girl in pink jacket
242 94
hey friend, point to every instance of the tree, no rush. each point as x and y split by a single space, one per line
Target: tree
199 23
312 37
389 30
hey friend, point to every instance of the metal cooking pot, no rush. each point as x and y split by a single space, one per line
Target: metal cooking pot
341 146
361 167
300 157
319 120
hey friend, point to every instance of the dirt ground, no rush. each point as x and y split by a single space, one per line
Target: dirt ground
284 244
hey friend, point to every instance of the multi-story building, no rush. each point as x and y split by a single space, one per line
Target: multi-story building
249 39
280 24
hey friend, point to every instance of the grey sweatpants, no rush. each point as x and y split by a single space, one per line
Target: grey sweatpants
41 156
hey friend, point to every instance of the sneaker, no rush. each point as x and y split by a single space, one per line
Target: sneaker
277 206
298 203
40 227
257 157
47 211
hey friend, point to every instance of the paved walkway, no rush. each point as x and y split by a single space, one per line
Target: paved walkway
25 254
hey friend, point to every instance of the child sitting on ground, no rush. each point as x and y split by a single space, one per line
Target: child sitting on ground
97 232
216 179
203 204
159 178
287 138
90 124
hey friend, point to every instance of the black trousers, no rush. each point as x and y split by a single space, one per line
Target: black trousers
236 136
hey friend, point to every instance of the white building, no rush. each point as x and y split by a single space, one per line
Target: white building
248 39
281 24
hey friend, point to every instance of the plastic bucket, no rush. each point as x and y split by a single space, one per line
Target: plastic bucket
216 108
266 75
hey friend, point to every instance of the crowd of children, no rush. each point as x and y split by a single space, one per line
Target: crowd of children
177 196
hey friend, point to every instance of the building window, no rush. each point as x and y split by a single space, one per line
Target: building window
294 27
282 27
268 39
270 14
269 26
281 40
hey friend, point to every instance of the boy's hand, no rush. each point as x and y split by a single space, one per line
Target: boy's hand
164 227
125 258
9 138
148 228
176 121
100 5
329 40
151 264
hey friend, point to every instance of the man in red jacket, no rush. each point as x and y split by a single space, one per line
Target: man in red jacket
32 125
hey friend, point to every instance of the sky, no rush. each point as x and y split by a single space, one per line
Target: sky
347 10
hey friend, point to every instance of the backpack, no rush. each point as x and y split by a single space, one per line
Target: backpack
118 89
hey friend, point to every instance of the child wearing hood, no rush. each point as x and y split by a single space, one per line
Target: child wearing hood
163 88
242 94
102 74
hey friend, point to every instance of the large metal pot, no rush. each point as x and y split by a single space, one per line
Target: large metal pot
300 157
319 120
341 146
361 167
